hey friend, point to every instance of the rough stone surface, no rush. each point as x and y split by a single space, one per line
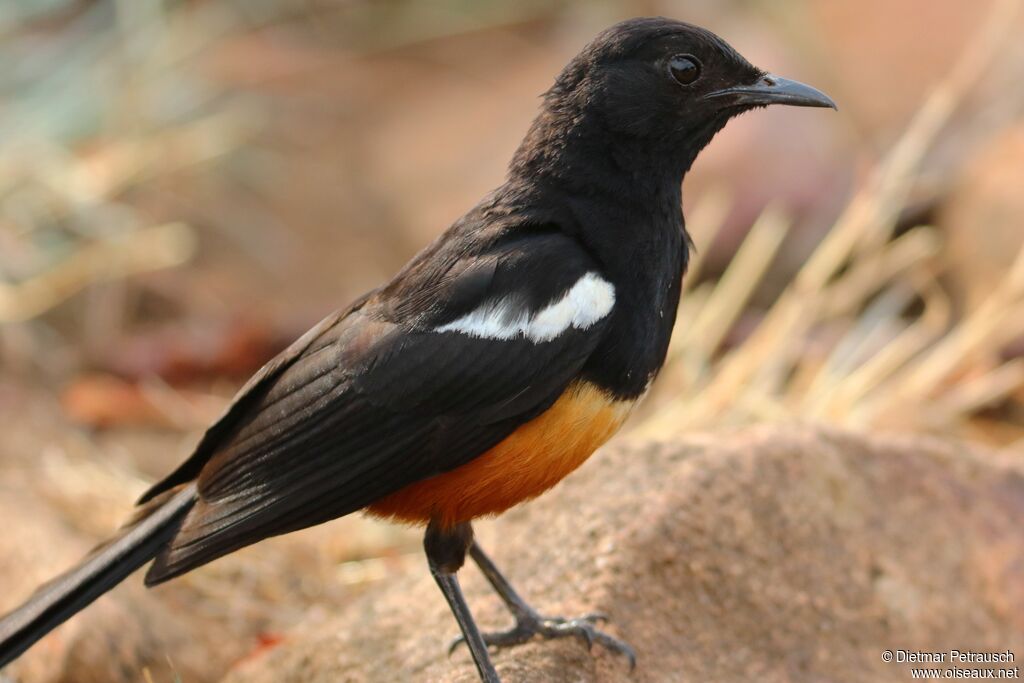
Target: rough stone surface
126 636
63 491
779 554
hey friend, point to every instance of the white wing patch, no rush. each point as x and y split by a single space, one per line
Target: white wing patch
586 302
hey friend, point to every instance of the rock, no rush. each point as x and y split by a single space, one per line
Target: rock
61 493
126 636
777 554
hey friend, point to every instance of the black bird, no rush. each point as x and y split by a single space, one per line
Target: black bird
489 368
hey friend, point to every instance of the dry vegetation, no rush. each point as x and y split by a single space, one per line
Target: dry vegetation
839 344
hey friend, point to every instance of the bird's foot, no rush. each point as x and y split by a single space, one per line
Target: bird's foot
531 624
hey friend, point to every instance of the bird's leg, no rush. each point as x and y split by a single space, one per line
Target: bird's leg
446 553
529 623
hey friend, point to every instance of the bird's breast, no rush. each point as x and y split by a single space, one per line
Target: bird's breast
532 459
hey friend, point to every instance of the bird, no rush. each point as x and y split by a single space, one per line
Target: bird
491 366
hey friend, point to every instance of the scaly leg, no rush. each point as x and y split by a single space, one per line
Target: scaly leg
446 552
529 623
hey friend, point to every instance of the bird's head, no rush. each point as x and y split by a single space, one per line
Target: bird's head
654 91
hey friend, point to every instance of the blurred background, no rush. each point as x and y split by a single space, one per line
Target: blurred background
185 187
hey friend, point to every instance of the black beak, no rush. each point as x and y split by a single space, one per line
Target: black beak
772 89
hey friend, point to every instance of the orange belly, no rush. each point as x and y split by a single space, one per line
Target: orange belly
532 459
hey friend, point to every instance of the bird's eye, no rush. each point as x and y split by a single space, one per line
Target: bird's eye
685 69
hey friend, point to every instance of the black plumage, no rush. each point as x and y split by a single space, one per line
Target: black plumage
376 399
490 366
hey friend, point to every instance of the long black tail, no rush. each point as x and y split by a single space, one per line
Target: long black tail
105 567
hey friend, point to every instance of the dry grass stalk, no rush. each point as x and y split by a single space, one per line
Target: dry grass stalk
153 248
858 282
68 155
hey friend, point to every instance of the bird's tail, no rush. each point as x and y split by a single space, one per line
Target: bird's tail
105 567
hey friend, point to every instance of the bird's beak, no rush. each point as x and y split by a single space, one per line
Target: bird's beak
772 89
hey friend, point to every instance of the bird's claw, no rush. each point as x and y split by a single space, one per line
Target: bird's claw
529 626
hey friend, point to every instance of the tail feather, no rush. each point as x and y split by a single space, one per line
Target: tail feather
105 567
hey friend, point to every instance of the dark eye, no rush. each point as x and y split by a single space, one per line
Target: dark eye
684 68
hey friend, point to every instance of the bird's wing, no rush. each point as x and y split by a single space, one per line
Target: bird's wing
247 398
418 380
